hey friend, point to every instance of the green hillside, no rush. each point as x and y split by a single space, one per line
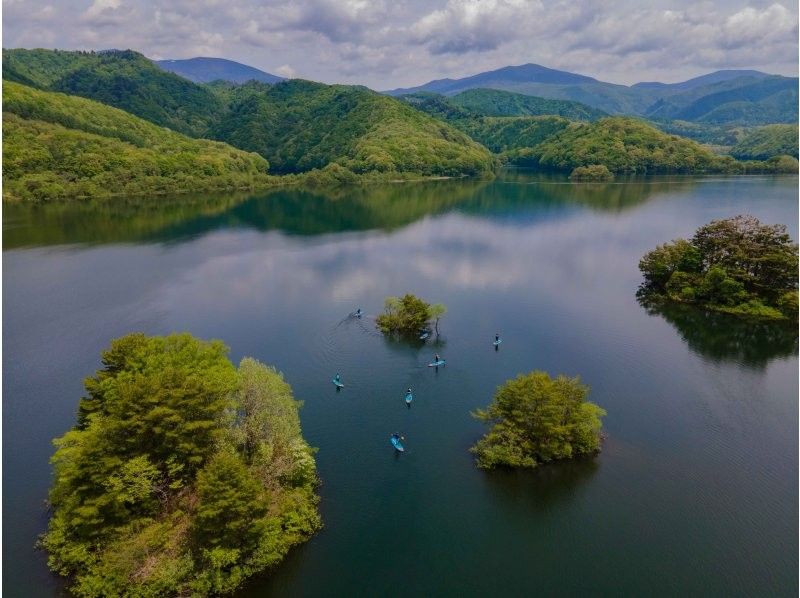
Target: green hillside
123 79
503 134
500 133
494 102
632 146
55 145
619 143
766 142
744 101
299 125
42 68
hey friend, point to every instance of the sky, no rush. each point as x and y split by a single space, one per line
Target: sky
398 43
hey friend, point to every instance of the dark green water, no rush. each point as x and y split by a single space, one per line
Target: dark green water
696 490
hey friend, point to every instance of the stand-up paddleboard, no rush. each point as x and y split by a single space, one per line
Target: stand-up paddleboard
424 335
397 444
436 364
409 398
497 342
337 383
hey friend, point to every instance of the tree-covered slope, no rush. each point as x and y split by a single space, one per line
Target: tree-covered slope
744 100
494 102
299 125
766 142
499 134
504 134
630 145
55 145
42 68
123 79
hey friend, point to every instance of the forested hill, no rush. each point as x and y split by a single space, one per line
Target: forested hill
494 102
766 142
299 125
296 125
123 79
58 146
632 146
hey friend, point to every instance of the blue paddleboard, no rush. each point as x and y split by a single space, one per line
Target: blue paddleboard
495 343
409 398
436 364
423 336
337 384
397 444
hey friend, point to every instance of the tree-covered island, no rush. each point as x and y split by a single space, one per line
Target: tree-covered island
736 265
409 316
536 419
183 475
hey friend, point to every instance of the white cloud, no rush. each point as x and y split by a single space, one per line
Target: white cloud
386 44
286 71
104 13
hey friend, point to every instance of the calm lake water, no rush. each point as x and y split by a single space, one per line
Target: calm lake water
695 493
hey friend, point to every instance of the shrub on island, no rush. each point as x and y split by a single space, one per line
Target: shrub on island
737 265
183 475
409 315
595 172
536 419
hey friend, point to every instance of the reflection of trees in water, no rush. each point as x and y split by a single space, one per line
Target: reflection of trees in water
367 207
293 210
723 337
529 187
110 220
544 485
303 211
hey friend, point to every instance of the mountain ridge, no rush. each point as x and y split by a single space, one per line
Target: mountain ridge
205 69
761 97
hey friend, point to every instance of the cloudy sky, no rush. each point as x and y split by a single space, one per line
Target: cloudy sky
393 43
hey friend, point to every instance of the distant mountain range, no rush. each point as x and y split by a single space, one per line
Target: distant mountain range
730 96
205 70
85 124
726 97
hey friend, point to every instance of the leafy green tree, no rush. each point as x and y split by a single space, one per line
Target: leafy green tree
182 475
658 265
268 429
230 505
761 257
436 312
737 265
406 315
535 419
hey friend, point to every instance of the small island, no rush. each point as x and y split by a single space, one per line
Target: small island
537 419
183 475
409 316
595 172
737 266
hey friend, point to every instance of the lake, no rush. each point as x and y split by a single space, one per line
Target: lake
695 492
